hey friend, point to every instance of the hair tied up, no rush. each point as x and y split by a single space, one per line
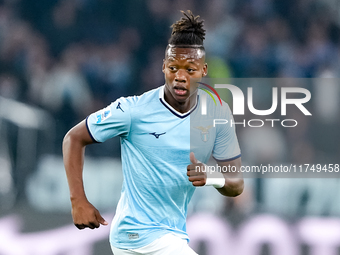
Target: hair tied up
187 25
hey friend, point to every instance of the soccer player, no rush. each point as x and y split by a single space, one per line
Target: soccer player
161 153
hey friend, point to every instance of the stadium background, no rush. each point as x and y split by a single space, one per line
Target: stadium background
61 60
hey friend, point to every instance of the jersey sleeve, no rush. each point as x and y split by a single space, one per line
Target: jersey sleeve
114 120
226 146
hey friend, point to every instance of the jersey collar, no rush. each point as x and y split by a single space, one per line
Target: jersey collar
171 109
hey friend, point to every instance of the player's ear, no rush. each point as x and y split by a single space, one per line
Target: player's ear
205 70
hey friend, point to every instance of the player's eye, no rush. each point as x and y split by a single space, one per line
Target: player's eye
191 70
172 68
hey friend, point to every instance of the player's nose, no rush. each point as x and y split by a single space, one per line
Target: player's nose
180 76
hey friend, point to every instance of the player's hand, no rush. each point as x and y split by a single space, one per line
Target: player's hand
85 215
196 171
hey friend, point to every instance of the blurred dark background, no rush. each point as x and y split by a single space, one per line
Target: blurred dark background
61 60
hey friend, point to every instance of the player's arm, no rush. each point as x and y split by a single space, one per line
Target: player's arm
234 183
230 181
83 212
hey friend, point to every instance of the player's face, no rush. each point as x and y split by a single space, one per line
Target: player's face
183 67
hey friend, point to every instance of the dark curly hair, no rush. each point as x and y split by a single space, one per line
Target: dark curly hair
187 31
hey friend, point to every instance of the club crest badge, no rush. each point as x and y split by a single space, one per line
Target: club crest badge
204 132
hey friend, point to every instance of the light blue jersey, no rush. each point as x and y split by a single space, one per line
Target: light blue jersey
155 144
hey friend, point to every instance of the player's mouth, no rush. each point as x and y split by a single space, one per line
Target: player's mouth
180 91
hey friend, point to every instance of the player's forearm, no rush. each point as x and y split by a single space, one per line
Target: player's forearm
234 183
73 155
233 187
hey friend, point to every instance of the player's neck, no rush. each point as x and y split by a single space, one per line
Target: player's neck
181 107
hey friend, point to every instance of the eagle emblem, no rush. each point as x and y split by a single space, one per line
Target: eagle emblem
204 132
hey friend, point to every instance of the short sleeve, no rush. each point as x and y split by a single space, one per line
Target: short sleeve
226 146
114 120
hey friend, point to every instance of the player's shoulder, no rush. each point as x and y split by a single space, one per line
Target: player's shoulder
137 101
